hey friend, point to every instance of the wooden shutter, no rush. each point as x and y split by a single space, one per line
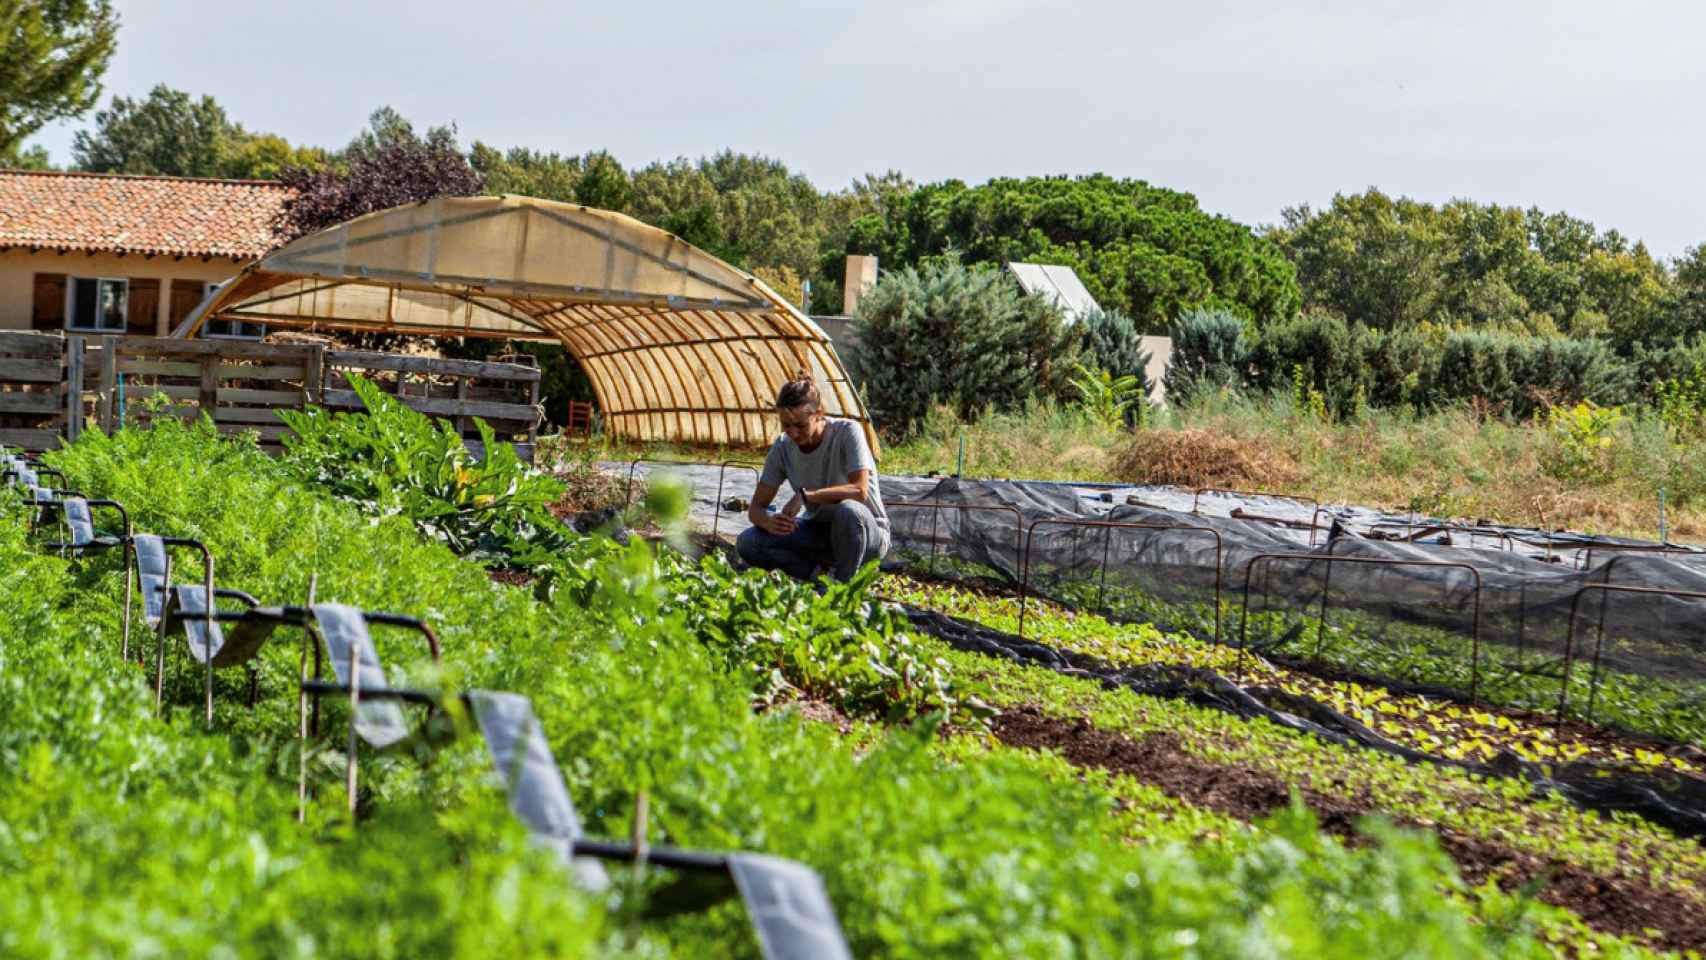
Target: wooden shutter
48 311
185 295
142 312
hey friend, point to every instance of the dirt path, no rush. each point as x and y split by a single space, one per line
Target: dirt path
1613 905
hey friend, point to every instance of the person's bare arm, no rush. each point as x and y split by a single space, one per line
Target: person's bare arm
780 524
858 485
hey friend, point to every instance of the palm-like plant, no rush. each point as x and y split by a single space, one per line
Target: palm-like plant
1108 398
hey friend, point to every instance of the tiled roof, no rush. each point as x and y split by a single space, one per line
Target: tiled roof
123 213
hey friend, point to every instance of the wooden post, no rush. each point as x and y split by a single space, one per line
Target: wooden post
107 386
210 385
463 424
314 374
538 414
73 388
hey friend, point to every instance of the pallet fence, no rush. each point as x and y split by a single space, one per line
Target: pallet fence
37 406
241 386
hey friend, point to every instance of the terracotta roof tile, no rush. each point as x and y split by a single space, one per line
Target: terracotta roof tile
122 213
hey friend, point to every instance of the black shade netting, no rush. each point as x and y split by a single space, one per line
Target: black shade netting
1616 642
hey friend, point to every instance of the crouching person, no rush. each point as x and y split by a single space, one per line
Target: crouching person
835 519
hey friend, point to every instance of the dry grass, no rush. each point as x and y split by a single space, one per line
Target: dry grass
1045 442
1455 464
590 488
1204 458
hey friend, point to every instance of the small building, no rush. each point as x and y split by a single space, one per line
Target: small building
126 254
1060 284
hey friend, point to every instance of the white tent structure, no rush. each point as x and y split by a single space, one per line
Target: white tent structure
679 345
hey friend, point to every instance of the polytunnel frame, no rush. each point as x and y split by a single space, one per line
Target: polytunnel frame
678 344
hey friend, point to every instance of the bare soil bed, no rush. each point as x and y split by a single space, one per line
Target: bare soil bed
1612 905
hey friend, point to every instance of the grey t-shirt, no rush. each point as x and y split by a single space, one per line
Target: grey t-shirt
842 451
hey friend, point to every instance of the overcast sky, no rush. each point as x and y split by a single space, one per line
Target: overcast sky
1594 107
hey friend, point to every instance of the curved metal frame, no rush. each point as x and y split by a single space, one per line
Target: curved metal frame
1111 525
133 576
68 549
937 506
634 464
756 466
1321 632
209 615
1599 643
304 616
1619 550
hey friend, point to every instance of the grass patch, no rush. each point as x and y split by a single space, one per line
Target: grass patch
1453 463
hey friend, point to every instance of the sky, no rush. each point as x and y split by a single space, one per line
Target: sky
1593 107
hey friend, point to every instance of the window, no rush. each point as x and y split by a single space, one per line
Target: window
96 305
230 329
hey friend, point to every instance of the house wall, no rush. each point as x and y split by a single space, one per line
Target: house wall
1160 357
18 269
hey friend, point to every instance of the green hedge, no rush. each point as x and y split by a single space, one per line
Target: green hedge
1351 364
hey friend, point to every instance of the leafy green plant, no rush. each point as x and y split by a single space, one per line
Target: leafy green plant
1681 405
1112 401
841 646
391 459
1306 400
1582 438
1504 810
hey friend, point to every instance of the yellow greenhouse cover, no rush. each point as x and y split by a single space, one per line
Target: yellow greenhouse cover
679 345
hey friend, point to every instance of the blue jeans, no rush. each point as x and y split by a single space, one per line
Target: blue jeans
842 536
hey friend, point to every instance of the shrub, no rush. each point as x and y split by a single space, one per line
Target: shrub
1521 376
1110 340
1581 438
956 335
1513 375
1210 351
1318 353
1680 403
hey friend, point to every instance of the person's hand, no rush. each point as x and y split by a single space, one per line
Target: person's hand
794 506
778 524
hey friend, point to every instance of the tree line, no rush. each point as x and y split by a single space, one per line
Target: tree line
1365 277
1388 263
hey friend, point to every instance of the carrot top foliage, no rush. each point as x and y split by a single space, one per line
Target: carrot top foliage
126 835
